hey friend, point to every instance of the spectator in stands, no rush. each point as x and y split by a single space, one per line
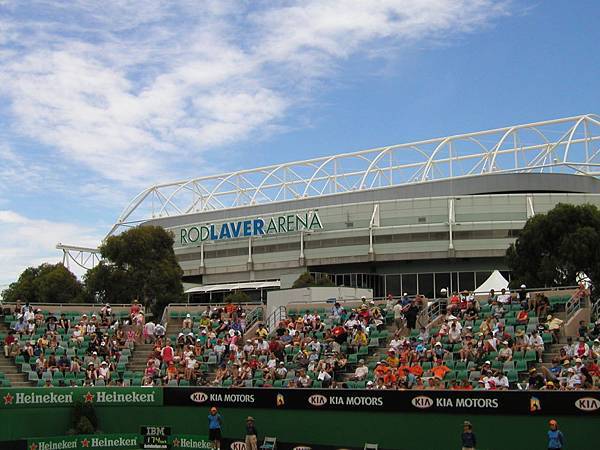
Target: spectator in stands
582 349
105 311
187 322
523 296
504 297
536 380
149 329
536 342
595 350
543 306
411 312
554 325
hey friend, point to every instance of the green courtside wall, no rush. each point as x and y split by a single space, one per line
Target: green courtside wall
342 428
135 408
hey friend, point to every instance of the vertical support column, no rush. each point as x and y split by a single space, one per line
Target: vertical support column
301 248
530 209
373 223
451 222
250 250
202 255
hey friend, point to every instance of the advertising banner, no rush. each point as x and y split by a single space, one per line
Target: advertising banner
480 402
56 397
96 441
116 441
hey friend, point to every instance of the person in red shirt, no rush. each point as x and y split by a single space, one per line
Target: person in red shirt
135 308
167 353
594 369
454 303
523 317
8 342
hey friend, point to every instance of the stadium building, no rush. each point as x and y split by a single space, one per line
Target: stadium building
413 217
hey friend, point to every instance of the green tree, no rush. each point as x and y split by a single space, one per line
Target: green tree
237 297
307 280
47 283
554 247
139 263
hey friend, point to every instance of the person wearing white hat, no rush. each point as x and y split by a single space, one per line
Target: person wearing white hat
523 296
188 322
251 434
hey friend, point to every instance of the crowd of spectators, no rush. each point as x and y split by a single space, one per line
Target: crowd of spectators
495 342
304 350
72 349
489 344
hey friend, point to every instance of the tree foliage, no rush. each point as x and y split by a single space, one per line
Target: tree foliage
307 280
553 248
47 283
139 263
238 297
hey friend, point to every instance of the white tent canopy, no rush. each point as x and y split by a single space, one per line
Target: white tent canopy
495 281
234 286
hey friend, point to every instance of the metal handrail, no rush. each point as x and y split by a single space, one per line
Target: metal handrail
436 308
254 316
279 314
596 310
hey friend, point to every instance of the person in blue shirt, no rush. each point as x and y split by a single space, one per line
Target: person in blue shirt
556 440
468 437
215 422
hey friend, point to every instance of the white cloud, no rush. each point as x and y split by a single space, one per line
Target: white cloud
121 88
28 242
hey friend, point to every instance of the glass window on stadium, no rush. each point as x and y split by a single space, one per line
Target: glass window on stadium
466 281
426 286
393 284
409 283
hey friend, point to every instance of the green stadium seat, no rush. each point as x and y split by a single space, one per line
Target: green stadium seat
521 365
530 355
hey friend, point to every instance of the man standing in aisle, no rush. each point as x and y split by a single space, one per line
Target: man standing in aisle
215 421
251 434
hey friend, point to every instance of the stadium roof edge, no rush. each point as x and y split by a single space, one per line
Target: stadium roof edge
565 145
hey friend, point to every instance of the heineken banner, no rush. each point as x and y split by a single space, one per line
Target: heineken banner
53 397
481 402
115 441
99 441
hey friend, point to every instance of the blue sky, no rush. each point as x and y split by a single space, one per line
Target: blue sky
97 103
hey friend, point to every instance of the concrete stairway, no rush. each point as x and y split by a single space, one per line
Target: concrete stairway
8 367
139 357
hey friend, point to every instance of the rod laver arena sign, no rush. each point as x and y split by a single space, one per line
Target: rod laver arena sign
307 221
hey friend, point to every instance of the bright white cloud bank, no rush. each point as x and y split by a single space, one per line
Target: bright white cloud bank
125 89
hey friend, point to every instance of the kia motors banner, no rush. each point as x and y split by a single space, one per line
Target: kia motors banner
481 402
56 397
